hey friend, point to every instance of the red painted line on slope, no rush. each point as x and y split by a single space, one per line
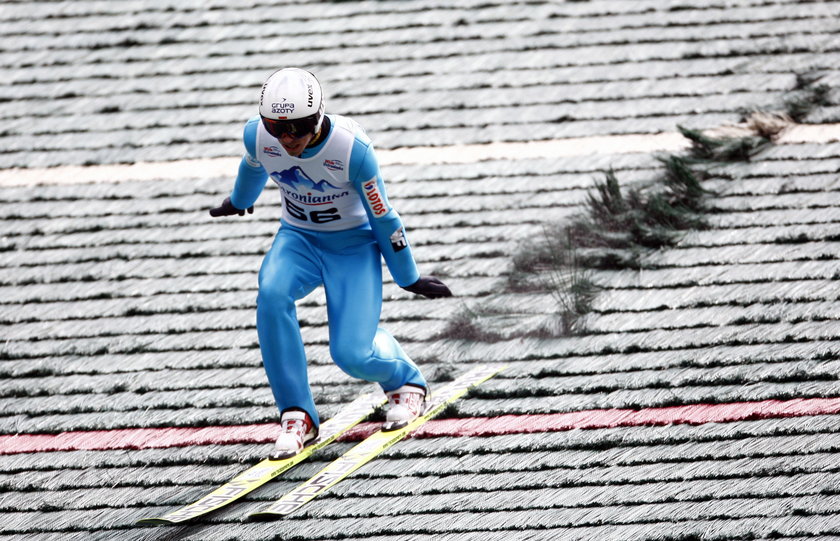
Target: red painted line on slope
695 414
137 438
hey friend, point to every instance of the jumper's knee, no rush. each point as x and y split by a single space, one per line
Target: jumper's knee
352 360
271 297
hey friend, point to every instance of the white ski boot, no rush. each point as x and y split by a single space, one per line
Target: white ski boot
404 405
298 430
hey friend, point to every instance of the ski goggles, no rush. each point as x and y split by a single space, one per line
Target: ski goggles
296 128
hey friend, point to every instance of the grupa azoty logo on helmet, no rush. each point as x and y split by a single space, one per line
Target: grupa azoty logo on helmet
285 107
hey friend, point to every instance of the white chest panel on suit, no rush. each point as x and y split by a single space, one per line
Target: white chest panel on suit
316 191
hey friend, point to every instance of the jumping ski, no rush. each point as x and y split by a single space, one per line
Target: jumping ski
372 446
263 472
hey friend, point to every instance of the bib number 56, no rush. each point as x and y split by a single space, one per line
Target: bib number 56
314 216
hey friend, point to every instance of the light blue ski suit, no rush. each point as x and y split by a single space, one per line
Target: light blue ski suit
336 225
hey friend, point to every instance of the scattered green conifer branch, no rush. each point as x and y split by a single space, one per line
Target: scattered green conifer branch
464 326
806 96
723 149
617 226
569 282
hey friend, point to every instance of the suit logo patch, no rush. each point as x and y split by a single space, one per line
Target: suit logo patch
398 240
374 198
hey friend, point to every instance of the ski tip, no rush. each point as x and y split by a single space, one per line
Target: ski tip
262 516
153 521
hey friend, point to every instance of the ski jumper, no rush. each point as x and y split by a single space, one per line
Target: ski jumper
336 225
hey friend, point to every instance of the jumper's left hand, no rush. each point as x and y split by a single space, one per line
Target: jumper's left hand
430 287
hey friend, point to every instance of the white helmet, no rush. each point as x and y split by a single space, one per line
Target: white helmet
292 102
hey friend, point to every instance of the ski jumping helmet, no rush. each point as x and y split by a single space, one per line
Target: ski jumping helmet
292 102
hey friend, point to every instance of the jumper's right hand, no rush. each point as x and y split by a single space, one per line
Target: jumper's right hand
227 209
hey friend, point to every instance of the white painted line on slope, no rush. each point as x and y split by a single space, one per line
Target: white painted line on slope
554 148
453 154
810 133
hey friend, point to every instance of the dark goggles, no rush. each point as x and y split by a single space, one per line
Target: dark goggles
296 128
